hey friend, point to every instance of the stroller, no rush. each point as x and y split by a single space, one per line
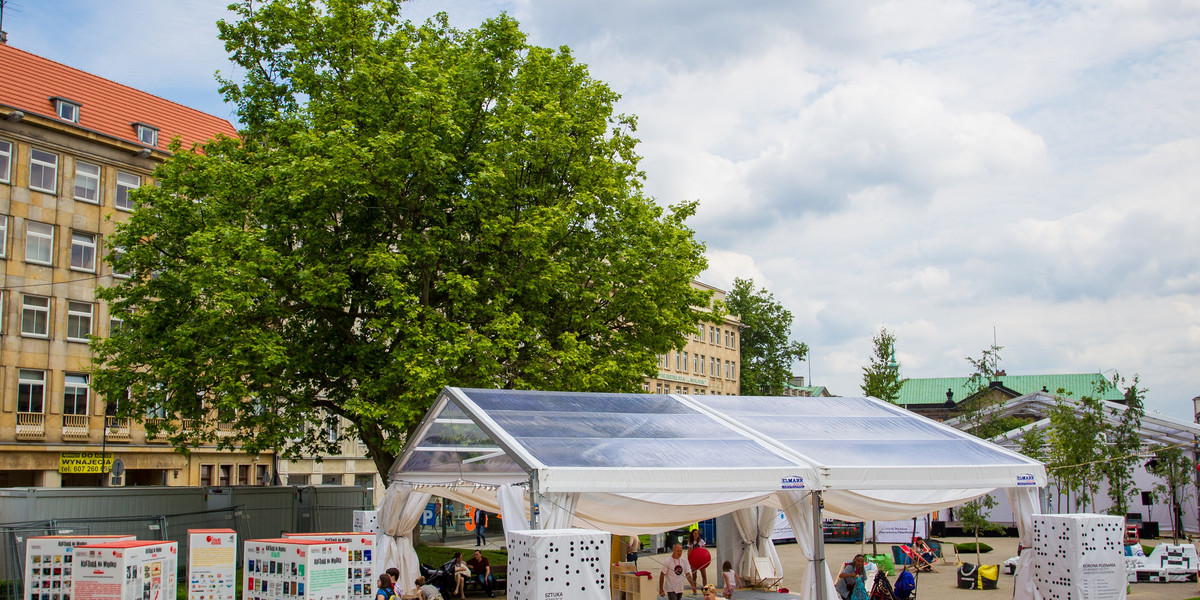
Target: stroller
442 579
882 588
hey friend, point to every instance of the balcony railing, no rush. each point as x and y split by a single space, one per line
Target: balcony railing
225 429
31 426
116 429
156 438
75 428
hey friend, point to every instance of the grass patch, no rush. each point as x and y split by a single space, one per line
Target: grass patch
436 556
970 547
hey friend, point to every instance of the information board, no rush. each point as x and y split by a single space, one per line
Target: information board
132 570
360 550
294 569
212 564
49 564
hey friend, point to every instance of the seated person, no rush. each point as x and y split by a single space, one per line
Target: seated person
850 574
923 550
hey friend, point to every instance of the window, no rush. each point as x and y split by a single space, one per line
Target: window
700 332
158 411
79 321
83 252
685 362
364 481
658 388
714 366
114 326
75 394
206 475
43 171
3 236
243 475
226 471
67 110
146 134
115 254
732 370
678 366
335 479
35 316
126 182
712 334
297 479
31 390
698 364
260 474
733 339
87 182
5 161
39 243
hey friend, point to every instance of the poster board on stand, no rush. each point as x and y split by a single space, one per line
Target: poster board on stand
212 564
360 550
294 569
130 570
49 563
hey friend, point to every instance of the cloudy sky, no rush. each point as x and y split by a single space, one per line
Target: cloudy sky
951 170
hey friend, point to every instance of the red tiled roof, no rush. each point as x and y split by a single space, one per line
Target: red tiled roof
28 81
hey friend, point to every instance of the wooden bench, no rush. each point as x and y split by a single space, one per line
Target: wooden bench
500 572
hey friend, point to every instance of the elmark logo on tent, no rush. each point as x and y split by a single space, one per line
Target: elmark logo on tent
1026 479
794 482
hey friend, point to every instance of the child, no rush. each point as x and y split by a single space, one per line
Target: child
730 579
710 592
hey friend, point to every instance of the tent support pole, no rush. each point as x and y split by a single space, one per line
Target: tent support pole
533 503
821 570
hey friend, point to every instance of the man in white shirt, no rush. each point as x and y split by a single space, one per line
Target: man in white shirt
674 574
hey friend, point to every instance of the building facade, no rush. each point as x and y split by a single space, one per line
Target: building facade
707 364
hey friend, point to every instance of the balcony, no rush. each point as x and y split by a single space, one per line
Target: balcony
225 429
116 429
31 426
161 436
75 428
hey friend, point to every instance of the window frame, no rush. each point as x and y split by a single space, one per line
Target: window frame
85 245
45 310
61 103
99 190
124 189
48 238
71 389
3 236
30 383
35 162
6 154
74 314
142 128
115 273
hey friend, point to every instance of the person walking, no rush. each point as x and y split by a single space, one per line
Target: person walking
674 574
480 523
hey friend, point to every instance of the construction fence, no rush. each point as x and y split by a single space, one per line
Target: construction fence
166 513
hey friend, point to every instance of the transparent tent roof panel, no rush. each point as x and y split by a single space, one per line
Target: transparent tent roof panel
596 430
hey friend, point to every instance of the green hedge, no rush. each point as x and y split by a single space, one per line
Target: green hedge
436 556
969 547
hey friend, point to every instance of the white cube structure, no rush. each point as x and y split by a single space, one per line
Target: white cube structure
129 570
366 520
559 564
1079 556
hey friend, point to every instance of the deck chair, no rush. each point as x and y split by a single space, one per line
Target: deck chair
765 573
917 561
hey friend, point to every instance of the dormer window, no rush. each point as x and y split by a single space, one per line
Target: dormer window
146 134
66 109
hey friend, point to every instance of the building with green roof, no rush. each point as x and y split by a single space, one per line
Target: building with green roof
940 397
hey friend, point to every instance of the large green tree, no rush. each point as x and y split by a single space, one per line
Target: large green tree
881 379
766 346
409 206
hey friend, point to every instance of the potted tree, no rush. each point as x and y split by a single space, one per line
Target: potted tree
974 519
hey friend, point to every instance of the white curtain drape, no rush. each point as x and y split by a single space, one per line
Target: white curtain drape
746 522
560 513
766 526
1025 504
513 505
798 508
399 514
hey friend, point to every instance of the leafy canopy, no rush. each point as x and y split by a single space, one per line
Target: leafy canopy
881 379
408 207
767 350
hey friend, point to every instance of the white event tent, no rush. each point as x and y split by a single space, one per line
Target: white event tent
647 463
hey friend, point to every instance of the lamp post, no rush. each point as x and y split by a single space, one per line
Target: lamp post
103 443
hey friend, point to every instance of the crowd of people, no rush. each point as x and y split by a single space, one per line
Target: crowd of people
476 569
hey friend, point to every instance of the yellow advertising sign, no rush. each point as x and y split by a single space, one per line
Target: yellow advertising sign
85 462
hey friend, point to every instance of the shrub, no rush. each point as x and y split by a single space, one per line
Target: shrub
970 547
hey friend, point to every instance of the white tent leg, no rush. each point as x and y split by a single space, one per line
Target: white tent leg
533 503
821 569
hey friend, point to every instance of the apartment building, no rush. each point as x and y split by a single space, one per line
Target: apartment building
72 148
707 364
